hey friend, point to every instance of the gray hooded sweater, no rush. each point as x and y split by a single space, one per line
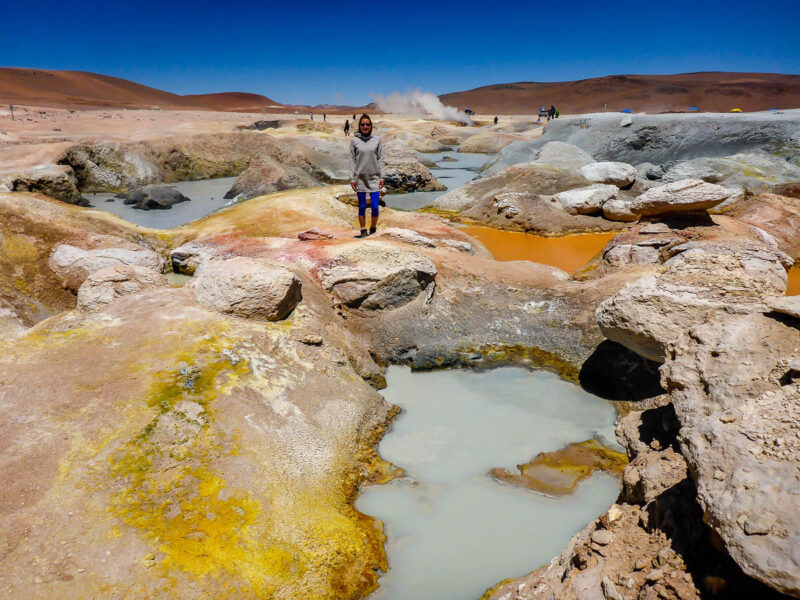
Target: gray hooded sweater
366 162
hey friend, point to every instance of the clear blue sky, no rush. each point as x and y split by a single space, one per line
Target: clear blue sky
328 52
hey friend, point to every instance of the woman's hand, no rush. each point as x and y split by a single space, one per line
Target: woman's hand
353 185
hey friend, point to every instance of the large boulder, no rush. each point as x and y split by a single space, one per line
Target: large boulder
488 142
734 385
680 196
777 215
563 156
534 178
753 171
614 173
377 275
174 448
251 288
700 281
659 139
103 286
404 172
534 213
266 176
153 197
587 200
56 181
73 265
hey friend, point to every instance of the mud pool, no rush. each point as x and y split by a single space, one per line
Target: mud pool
794 282
569 252
452 531
206 197
458 170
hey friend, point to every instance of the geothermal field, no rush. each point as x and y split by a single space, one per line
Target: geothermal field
565 366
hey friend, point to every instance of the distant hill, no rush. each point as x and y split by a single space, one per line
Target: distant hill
710 92
235 101
81 89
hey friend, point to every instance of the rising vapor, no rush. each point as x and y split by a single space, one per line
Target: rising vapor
419 104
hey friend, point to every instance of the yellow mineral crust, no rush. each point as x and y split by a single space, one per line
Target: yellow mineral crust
186 468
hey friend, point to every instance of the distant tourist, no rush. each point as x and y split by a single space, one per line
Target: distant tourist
557 113
551 114
495 119
312 116
366 173
354 117
324 117
346 127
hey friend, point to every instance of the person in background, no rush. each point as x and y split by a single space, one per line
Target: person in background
346 127
354 117
551 114
366 173
495 119
557 113
312 116
324 117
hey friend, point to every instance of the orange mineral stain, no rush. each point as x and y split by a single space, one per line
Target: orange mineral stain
568 252
794 282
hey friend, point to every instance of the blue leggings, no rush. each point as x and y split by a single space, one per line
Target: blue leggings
374 198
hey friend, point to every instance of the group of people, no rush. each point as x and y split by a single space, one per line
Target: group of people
552 112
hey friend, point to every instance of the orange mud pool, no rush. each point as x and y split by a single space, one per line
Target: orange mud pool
569 252
794 282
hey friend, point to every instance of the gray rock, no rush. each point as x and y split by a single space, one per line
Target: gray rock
56 181
618 209
586 200
680 196
739 408
789 305
73 265
662 138
563 156
314 234
187 258
267 176
626 122
407 236
150 197
649 313
615 173
103 286
530 177
753 171
404 172
246 287
379 276
459 245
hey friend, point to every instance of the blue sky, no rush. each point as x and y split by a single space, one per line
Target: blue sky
327 52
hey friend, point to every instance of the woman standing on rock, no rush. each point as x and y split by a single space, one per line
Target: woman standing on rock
366 172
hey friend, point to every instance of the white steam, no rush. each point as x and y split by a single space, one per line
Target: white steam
419 104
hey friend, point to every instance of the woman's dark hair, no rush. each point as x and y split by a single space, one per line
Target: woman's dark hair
361 118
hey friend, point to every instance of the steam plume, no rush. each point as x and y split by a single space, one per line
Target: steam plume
419 104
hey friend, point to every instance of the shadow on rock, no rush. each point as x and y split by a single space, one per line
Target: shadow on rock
615 373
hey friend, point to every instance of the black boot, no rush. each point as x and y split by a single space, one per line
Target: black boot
372 230
363 234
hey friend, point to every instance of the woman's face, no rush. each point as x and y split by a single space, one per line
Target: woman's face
365 126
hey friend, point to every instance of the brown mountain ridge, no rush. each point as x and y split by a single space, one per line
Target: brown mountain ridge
710 92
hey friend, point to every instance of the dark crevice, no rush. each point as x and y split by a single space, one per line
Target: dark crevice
615 373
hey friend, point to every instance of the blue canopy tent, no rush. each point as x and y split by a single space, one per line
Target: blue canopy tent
693 108
626 110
